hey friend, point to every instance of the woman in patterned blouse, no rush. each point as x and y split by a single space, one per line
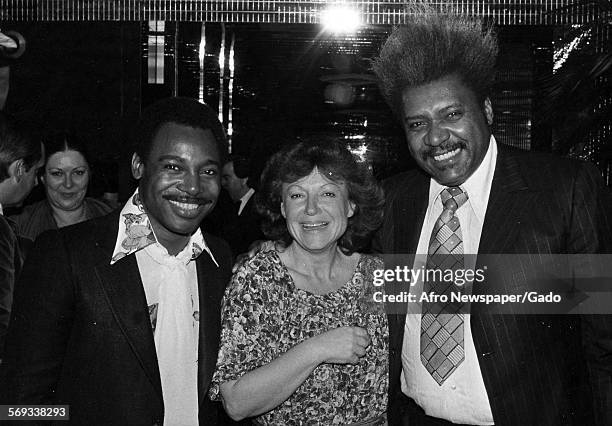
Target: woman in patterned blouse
302 341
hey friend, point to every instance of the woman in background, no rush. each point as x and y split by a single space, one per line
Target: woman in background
65 179
302 340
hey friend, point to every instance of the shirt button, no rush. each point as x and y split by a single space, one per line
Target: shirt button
453 387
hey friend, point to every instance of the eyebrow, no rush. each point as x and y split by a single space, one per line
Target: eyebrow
444 109
291 185
336 184
414 117
451 106
170 157
182 160
67 168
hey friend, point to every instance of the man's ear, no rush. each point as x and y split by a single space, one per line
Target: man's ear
283 210
488 111
137 166
17 169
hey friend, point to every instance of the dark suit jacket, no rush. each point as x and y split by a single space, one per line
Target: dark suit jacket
81 334
241 231
10 266
534 367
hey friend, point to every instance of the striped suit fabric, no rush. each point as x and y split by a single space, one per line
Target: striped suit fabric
537 369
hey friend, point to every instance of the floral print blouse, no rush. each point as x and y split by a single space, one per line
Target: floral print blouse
264 315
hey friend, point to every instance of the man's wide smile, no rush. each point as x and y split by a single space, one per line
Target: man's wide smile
187 207
447 155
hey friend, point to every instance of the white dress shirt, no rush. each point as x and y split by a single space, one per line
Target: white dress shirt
171 290
462 398
245 199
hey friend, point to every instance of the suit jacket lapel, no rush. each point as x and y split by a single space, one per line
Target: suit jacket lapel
410 209
408 213
208 279
507 200
125 294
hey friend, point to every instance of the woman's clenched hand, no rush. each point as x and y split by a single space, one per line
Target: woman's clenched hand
343 345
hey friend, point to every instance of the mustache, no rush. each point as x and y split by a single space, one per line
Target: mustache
188 199
445 147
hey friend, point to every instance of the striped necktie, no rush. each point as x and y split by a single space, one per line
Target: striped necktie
441 323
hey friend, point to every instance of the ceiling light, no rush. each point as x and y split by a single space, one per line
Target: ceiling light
340 18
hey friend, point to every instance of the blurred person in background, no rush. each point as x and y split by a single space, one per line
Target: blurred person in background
65 177
242 226
20 159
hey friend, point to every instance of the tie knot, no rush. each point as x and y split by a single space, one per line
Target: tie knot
453 198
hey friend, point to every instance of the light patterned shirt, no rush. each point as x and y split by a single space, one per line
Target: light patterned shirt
170 285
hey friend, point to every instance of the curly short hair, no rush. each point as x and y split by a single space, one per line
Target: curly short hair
330 157
179 110
432 45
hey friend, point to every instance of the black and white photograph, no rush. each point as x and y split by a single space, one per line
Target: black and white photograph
306 212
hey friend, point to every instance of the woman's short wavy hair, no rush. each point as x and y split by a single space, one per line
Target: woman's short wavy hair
336 162
432 45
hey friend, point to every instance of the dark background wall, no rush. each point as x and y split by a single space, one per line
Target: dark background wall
289 79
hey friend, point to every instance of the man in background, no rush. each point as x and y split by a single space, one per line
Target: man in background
20 159
242 226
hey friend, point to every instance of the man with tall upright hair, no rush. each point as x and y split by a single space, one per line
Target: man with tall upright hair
119 317
472 195
20 159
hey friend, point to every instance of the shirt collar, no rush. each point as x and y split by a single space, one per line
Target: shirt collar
1 211
247 195
477 186
135 233
245 199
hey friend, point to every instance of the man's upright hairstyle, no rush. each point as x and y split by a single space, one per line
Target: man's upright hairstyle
179 110
15 145
431 46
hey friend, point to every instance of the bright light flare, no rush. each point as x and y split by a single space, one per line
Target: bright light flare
340 19
560 55
202 50
361 150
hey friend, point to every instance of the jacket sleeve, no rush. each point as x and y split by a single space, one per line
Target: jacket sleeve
8 246
41 322
382 240
591 232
